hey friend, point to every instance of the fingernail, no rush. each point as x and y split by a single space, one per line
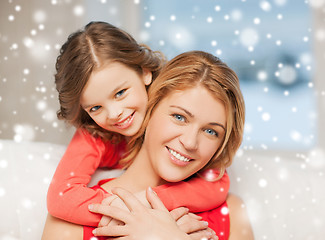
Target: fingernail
206 223
90 206
94 231
150 189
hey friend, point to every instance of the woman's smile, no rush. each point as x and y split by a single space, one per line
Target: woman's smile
183 133
178 158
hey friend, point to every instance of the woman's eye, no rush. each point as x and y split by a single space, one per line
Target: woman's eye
120 93
94 109
211 132
179 117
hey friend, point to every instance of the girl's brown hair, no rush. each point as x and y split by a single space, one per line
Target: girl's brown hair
189 70
88 49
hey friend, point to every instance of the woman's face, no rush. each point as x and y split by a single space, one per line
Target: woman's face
115 97
184 132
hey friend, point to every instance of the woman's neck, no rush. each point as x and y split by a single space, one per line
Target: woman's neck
138 176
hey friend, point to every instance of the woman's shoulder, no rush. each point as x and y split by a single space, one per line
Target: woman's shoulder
240 227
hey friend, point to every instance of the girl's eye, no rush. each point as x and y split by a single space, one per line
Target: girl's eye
211 132
120 93
94 109
179 117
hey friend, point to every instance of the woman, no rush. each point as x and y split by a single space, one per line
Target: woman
194 121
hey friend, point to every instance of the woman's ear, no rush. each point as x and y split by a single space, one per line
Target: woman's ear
147 77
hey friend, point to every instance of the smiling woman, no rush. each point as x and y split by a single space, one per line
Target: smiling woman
183 131
102 77
195 120
188 71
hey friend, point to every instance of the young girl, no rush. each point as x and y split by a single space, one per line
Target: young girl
196 111
102 74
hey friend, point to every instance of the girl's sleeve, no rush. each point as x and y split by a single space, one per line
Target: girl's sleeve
68 196
197 194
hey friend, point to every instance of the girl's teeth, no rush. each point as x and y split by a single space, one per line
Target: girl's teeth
178 156
125 122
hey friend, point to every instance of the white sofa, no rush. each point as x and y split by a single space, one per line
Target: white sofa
284 195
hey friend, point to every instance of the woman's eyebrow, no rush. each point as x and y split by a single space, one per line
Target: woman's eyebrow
218 124
183 109
192 115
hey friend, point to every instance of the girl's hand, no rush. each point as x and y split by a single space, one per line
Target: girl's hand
140 222
107 220
117 202
112 206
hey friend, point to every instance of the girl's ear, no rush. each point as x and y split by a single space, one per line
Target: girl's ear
147 77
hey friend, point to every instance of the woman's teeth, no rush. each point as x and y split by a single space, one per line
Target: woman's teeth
178 156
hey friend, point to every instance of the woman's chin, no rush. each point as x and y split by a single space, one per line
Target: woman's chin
169 178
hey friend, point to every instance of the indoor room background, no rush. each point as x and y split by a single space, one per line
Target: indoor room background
277 48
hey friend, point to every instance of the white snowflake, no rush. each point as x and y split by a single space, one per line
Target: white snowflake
78 10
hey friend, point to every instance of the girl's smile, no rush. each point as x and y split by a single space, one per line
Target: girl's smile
115 97
125 123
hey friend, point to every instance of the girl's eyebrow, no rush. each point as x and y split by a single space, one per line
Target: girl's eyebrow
191 115
113 91
86 106
118 87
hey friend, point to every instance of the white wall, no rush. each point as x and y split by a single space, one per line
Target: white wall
28 100
319 51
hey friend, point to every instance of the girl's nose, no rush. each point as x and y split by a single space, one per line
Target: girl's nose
114 112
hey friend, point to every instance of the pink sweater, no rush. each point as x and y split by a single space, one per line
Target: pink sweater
68 196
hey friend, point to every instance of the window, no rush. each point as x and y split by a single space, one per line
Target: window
267 43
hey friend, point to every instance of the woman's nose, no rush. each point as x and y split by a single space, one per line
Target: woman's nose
189 139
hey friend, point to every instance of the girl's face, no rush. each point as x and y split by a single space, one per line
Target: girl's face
115 97
184 132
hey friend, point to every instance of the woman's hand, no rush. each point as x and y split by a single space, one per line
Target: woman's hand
140 222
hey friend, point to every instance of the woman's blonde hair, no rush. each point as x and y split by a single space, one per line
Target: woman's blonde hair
189 70
97 44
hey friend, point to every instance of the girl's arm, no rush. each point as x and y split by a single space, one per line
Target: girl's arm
140 222
68 196
197 194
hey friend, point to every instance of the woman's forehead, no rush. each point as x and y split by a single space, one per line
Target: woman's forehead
196 101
